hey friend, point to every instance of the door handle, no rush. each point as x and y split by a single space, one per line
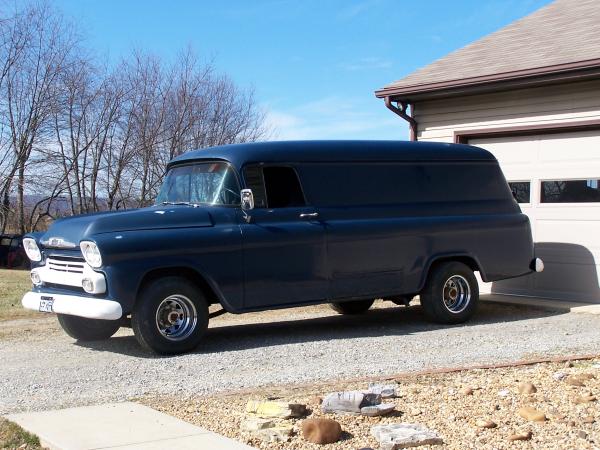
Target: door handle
309 215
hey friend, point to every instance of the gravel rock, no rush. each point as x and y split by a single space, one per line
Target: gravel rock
575 381
467 391
403 435
321 431
482 423
527 388
584 399
532 414
521 436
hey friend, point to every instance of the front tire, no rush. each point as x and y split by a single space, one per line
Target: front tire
352 307
170 316
84 329
451 293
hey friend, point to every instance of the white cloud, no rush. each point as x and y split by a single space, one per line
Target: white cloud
335 118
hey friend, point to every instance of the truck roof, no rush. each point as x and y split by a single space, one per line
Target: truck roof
336 151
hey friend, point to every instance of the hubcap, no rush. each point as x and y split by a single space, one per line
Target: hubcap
176 317
456 294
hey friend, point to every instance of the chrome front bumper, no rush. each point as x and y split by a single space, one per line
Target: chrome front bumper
74 305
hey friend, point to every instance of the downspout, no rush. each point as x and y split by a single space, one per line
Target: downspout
402 110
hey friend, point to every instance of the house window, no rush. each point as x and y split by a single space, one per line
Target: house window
571 191
521 191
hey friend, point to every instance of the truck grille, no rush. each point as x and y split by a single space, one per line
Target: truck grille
66 264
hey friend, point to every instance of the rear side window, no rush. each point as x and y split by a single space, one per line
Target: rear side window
571 191
274 186
362 184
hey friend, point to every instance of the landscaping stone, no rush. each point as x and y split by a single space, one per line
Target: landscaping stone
355 402
275 434
321 431
527 388
404 435
256 423
385 390
274 409
532 414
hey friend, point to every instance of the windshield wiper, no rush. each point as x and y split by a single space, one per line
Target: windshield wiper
194 205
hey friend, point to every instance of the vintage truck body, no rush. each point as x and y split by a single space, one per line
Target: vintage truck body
284 224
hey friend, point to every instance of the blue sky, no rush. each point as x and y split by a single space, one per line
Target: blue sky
314 64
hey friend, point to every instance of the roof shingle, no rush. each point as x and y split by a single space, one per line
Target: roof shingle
563 32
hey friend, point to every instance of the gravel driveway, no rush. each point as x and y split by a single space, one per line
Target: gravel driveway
42 368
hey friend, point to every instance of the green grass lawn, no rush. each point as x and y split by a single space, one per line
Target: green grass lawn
13 285
13 436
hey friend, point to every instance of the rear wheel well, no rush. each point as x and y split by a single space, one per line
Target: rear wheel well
466 260
182 272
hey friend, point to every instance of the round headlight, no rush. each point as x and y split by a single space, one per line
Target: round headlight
31 249
91 253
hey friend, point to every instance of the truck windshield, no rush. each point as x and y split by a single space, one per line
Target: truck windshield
200 184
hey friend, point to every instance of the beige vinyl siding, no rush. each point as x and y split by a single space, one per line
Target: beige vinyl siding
439 119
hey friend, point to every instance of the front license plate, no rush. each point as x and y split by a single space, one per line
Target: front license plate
46 304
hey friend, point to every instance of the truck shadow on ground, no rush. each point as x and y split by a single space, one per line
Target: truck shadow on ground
393 321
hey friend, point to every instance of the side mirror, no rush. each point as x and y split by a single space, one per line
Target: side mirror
247 199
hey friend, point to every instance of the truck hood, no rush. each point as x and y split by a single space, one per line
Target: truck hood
69 231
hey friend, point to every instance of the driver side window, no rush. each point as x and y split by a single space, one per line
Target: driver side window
274 186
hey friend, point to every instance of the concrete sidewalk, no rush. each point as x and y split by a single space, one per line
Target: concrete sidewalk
558 305
127 425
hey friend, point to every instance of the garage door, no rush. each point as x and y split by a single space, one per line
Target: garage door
556 178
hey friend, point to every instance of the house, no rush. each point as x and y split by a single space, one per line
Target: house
530 94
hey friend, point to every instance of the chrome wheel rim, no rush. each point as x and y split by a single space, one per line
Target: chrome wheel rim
456 294
176 317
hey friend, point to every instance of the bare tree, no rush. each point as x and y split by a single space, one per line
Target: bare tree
74 134
29 89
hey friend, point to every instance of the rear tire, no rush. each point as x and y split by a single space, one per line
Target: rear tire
451 293
170 316
84 329
352 307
